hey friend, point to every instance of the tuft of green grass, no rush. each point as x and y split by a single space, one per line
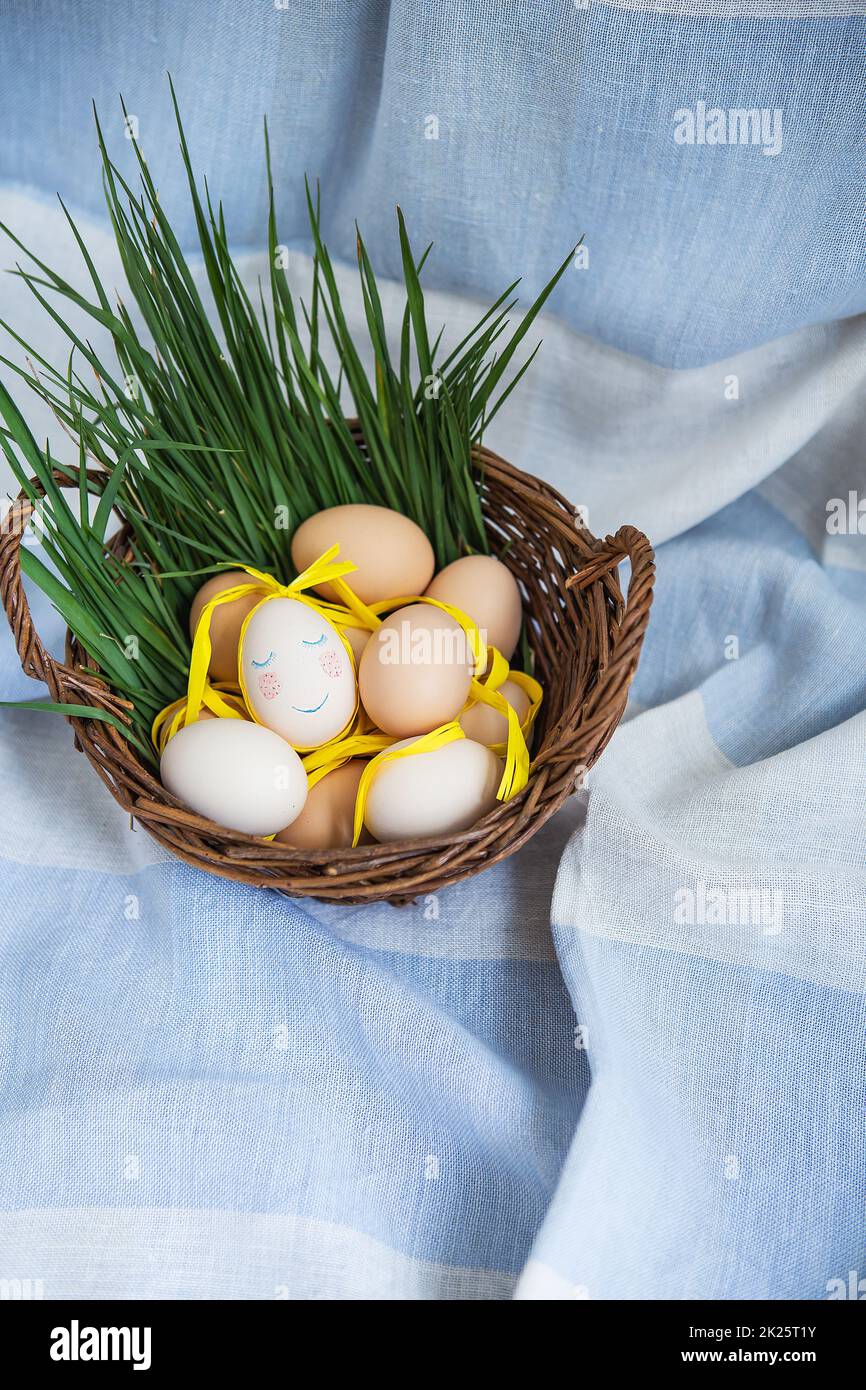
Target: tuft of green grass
214 448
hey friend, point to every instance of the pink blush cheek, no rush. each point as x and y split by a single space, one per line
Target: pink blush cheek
331 664
269 686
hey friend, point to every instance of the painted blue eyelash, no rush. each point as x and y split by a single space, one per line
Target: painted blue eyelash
318 642
267 661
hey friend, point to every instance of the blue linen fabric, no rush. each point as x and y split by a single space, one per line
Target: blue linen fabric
627 1062
504 131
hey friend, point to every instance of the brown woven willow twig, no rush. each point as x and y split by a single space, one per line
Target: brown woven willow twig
586 640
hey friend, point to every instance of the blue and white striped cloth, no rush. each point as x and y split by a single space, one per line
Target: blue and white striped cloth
629 1061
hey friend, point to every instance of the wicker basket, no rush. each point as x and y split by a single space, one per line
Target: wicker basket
586 641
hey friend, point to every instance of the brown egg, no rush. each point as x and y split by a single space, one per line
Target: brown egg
486 725
225 624
206 713
415 671
481 586
394 557
328 818
357 637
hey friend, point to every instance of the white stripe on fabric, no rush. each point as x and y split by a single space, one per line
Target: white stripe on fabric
665 801
190 1253
539 1282
846 552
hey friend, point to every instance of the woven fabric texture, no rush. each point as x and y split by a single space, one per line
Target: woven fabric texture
627 1062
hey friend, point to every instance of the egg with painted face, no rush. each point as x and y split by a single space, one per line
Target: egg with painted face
297 675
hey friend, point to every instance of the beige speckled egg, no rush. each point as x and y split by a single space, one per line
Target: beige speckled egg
483 587
226 622
297 675
328 818
393 555
487 725
415 671
434 793
236 773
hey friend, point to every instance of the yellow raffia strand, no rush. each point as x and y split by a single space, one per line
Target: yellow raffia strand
333 755
516 774
223 699
533 690
497 675
362 615
427 743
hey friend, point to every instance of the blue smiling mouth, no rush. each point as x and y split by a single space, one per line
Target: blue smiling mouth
310 711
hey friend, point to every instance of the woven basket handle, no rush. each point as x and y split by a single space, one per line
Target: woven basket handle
617 666
66 684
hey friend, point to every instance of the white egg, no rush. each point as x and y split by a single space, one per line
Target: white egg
434 793
236 773
297 675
